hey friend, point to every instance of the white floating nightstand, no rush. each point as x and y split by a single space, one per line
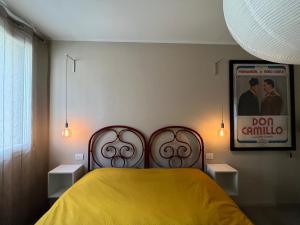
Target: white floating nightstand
226 176
63 177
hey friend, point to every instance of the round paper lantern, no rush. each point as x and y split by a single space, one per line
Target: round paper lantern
265 28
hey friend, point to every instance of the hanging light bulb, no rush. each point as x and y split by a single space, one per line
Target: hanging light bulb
221 131
66 132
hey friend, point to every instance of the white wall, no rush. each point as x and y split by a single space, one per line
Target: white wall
148 86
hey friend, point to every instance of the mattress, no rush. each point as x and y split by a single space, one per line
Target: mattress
112 196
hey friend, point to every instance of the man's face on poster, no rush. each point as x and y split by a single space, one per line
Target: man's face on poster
267 87
255 88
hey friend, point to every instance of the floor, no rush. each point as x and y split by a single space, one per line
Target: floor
280 215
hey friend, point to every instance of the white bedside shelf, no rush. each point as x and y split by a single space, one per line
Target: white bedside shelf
226 176
63 177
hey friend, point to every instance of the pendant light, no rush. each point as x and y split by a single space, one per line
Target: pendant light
221 131
266 29
66 132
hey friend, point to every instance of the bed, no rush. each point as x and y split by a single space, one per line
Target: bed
135 182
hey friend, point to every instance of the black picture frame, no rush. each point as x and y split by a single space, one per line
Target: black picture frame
261 144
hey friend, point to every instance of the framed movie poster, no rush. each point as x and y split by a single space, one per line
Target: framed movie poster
262 111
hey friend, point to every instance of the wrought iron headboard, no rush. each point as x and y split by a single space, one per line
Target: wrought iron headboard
176 146
109 147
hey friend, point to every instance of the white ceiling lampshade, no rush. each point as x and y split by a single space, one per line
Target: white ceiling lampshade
268 29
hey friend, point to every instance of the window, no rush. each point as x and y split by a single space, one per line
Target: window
15 90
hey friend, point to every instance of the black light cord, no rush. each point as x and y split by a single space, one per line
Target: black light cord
66 94
222 124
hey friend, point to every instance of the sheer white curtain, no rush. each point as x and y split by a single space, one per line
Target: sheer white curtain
23 145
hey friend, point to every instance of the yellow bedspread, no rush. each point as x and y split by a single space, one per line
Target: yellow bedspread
111 196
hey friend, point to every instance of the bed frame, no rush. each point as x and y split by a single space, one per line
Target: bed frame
108 147
169 147
176 147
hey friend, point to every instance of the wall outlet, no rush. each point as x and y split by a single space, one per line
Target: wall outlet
79 156
209 155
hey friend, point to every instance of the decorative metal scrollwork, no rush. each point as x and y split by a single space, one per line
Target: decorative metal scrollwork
183 148
117 152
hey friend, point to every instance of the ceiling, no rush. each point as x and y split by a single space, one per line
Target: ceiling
162 21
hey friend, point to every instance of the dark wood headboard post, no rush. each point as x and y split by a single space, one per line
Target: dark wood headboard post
147 156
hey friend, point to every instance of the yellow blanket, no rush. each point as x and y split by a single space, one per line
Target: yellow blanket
144 197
